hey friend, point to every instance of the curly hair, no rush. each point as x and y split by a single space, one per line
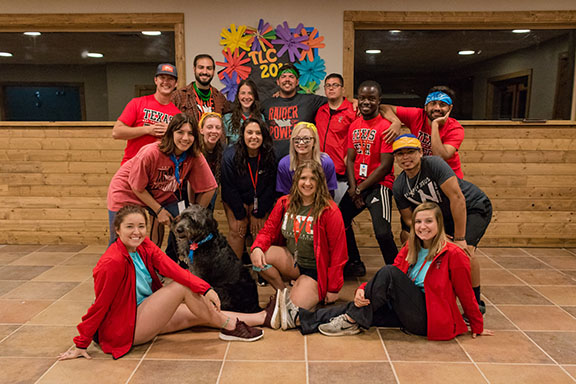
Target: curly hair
322 196
236 118
266 150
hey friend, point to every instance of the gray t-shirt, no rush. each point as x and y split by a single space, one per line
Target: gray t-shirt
425 186
283 114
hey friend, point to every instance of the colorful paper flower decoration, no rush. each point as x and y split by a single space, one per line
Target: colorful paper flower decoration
230 85
314 41
289 42
234 64
310 88
259 40
311 70
233 38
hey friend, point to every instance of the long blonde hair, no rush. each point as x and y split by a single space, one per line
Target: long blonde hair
315 147
321 198
438 242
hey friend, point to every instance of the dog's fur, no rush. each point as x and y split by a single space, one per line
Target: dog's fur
215 261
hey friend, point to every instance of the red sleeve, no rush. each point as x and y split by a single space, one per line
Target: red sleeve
200 176
130 113
107 279
167 267
452 133
269 233
142 166
350 142
411 117
459 265
338 252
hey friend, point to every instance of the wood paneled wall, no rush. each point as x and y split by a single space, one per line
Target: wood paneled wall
54 178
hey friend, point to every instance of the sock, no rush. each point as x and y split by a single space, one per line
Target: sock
477 293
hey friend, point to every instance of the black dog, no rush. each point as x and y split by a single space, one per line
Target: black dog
208 256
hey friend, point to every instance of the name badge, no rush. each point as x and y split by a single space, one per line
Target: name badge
363 170
181 206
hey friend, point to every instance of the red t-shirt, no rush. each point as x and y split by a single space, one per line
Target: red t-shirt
452 133
367 138
153 170
142 111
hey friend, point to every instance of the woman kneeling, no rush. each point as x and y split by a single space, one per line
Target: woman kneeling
132 307
417 293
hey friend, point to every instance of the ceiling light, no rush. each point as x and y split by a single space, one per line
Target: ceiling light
520 31
5 54
151 33
95 55
394 31
32 33
466 52
373 51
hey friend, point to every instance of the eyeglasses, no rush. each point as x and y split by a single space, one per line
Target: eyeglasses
302 139
335 86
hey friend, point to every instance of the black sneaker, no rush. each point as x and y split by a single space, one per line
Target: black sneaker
355 269
242 332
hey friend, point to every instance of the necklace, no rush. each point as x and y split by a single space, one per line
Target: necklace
415 184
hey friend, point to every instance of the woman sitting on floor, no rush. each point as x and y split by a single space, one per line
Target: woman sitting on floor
310 224
304 145
417 293
132 306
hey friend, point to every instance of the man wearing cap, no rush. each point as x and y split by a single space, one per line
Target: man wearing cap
145 119
370 177
333 121
282 113
439 134
199 96
467 210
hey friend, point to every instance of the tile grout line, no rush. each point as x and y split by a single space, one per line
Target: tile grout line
524 332
306 359
472 360
141 360
388 355
223 362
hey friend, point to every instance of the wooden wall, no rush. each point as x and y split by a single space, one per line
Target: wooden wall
54 178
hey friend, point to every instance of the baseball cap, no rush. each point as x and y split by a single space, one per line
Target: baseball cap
166 69
407 140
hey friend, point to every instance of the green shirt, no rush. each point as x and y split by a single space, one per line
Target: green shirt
305 246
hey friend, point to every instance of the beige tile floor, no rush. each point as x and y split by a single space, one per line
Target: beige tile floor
531 297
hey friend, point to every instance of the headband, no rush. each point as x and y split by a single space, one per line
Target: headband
291 70
209 114
308 125
438 96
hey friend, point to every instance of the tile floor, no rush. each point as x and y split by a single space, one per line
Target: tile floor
531 297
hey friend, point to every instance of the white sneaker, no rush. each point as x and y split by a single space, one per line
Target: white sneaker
288 311
339 326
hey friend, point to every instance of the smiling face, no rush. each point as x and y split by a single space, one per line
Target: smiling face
288 82
307 184
253 137
132 231
368 102
183 139
165 84
436 109
303 142
426 227
408 159
204 72
212 131
245 97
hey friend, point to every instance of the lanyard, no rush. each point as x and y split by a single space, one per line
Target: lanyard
252 177
244 118
201 104
420 270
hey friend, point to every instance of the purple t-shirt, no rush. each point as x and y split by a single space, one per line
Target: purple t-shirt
285 175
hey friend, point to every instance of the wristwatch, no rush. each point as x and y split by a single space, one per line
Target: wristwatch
357 190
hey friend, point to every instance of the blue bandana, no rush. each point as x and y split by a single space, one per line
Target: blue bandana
177 163
438 96
194 246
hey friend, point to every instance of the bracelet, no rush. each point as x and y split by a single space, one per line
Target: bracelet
159 210
459 239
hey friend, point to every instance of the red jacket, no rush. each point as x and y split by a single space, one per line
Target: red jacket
113 313
448 277
329 244
333 132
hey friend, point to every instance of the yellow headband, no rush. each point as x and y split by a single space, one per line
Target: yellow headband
308 125
209 114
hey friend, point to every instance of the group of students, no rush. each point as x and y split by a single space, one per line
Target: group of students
283 209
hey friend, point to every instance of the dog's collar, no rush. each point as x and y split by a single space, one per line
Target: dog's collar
194 246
